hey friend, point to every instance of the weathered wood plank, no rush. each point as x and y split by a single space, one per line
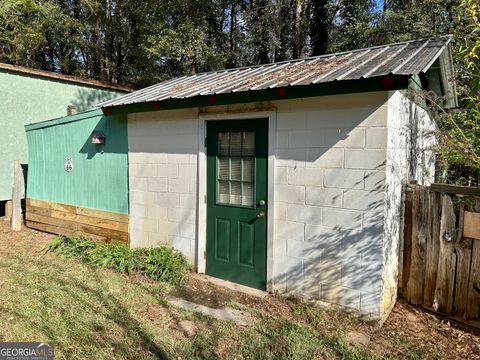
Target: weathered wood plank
63 207
38 210
471 228
8 209
463 250
432 249
53 229
473 301
407 247
107 224
444 289
78 227
415 283
455 189
39 203
101 214
87 220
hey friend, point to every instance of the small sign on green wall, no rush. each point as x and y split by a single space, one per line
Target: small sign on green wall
68 164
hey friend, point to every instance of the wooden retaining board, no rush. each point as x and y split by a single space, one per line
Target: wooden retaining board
64 219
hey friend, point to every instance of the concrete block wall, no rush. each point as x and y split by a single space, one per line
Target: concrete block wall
329 199
163 149
410 156
340 162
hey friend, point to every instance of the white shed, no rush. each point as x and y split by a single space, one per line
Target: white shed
288 176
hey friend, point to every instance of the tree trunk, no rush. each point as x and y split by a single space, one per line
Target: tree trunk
319 27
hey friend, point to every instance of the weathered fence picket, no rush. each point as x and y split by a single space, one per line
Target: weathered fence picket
441 253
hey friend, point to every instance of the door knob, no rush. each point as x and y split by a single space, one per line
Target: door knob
261 203
260 215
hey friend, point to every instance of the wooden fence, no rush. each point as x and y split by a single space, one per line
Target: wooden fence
440 268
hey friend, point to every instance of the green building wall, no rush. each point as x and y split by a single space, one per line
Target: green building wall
99 179
26 99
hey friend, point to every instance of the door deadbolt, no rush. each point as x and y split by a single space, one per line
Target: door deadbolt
260 215
261 203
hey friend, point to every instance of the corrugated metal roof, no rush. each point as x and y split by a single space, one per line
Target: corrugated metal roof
406 58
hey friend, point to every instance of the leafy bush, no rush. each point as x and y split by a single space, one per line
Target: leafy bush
159 263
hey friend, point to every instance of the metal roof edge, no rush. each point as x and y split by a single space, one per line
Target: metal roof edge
66 78
249 96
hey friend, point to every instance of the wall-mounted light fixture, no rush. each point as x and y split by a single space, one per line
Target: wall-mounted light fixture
98 137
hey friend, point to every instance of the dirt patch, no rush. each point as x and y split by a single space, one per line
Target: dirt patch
429 335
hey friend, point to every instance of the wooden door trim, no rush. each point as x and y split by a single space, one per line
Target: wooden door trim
200 261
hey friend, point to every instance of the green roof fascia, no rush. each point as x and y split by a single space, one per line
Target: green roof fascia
64 119
291 92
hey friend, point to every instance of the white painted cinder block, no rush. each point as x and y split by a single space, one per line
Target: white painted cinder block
162 155
344 179
330 182
338 154
305 176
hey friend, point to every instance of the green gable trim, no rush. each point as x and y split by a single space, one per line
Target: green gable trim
64 120
291 92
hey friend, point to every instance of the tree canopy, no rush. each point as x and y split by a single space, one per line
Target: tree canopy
144 42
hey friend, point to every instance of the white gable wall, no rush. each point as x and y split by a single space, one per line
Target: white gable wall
328 211
410 157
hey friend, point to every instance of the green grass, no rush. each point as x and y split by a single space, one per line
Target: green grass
93 312
158 263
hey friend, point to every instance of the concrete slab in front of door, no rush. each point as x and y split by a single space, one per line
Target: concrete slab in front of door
242 318
232 286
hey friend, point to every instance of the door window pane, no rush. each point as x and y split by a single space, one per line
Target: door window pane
224 168
236 168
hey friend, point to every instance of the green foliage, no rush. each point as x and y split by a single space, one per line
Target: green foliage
144 42
460 128
159 263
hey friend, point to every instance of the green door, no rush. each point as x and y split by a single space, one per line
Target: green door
237 201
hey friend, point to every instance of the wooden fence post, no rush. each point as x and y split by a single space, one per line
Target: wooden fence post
419 230
433 244
473 300
444 290
463 251
16 220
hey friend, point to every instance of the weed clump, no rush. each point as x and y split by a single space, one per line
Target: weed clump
161 263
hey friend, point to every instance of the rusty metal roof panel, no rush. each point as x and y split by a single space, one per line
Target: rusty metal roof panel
407 58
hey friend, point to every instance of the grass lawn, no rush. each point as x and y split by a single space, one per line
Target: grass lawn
98 314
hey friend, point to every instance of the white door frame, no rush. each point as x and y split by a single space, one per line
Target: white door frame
202 184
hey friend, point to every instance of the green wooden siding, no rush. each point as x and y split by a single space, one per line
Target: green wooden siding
25 99
99 178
